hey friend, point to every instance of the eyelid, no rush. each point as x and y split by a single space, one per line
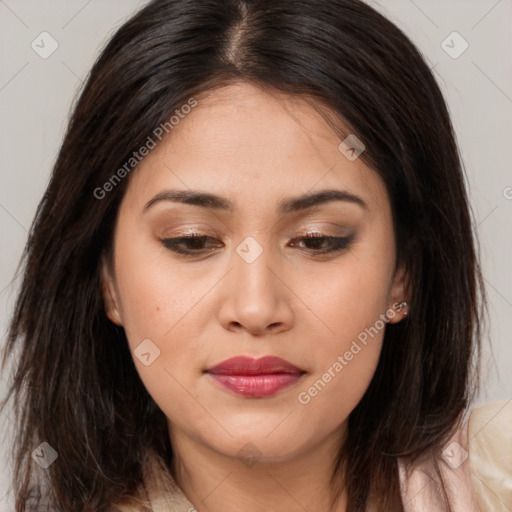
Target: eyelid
329 227
191 232
338 244
188 232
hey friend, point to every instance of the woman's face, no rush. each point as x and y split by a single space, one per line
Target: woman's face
254 286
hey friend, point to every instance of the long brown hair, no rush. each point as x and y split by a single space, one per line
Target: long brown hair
75 385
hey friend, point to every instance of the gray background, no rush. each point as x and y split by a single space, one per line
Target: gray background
36 95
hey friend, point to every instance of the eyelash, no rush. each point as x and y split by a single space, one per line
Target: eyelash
338 244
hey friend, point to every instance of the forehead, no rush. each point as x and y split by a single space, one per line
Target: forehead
254 147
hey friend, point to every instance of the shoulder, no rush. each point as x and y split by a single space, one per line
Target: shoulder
474 467
490 454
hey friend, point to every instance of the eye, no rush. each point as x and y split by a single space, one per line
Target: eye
324 244
194 243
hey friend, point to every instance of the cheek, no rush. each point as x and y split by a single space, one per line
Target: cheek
346 297
326 401
351 301
158 305
345 360
344 369
161 304
157 300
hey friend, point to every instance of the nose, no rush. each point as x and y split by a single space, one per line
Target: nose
258 298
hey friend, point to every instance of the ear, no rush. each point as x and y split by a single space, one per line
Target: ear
400 292
109 292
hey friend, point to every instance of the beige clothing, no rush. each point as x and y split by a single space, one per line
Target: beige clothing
477 470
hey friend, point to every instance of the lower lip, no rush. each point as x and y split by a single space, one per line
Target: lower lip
257 386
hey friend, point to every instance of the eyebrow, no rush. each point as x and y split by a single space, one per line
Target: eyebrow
285 206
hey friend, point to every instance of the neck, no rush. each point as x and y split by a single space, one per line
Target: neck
216 482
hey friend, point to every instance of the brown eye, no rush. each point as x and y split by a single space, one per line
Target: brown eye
188 245
324 244
195 244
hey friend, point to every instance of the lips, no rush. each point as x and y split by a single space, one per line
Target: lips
255 378
249 366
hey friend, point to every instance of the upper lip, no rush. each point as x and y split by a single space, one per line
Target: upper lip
243 365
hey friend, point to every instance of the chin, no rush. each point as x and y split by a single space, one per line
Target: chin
259 446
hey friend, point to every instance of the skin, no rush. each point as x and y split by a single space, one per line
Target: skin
254 148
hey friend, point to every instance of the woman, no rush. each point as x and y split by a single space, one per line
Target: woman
252 282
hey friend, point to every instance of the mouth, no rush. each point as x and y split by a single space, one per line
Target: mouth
256 378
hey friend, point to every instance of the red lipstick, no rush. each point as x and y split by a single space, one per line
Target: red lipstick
255 378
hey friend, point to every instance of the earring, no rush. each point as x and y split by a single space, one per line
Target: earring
399 306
